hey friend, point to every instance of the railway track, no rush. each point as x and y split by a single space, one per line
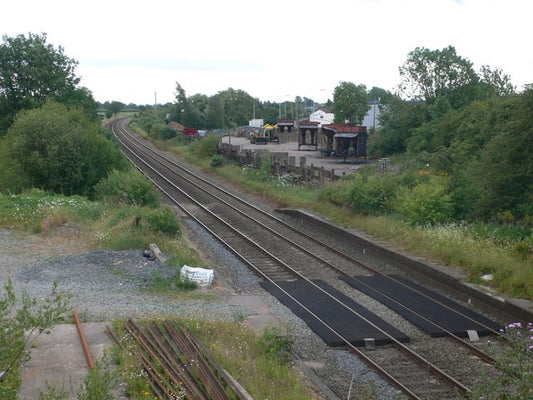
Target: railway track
280 253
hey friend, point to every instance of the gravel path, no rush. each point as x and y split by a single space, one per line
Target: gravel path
106 285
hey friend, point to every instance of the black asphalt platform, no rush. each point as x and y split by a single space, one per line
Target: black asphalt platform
350 326
414 298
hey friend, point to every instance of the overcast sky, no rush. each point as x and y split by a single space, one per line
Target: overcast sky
274 50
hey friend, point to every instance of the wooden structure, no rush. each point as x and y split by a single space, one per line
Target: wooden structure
286 125
308 134
345 141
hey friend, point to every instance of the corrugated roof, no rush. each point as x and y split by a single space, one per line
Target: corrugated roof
345 128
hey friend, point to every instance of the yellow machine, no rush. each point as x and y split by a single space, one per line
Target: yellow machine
271 132
258 136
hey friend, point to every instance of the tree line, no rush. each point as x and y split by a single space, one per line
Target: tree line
470 128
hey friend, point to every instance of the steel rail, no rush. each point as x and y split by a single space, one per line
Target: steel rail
146 347
157 380
324 245
83 340
430 366
187 347
451 335
165 357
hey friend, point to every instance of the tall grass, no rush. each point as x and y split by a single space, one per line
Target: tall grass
458 246
100 225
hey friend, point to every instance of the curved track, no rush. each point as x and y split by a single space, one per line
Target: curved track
279 252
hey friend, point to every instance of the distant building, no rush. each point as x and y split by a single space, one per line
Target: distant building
371 119
256 123
176 126
322 116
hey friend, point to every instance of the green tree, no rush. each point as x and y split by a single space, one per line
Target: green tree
383 95
429 74
115 107
494 82
399 119
238 107
197 110
189 112
507 177
350 102
58 149
32 71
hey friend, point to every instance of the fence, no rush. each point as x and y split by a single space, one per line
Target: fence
281 163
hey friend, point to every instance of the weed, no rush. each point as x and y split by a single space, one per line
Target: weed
516 363
22 321
238 315
159 283
100 381
274 344
54 392
184 283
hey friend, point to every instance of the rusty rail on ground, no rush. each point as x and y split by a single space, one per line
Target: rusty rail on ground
176 365
83 340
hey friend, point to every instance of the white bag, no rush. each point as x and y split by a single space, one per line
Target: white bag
200 276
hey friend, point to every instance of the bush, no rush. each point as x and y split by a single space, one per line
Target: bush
127 187
217 160
364 194
371 195
163 131
426 203
274 344
22 321
56 149
164 221
205 148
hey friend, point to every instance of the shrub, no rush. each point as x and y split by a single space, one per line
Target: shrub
205 148
426 203
371 195
127 187
217 160
56 149
274 344
164 221
162 131
22 321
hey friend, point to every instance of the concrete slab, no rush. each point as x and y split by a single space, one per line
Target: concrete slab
58 358
253 303
258 323
259 319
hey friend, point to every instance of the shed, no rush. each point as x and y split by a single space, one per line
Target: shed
286 125
345 140
308 134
